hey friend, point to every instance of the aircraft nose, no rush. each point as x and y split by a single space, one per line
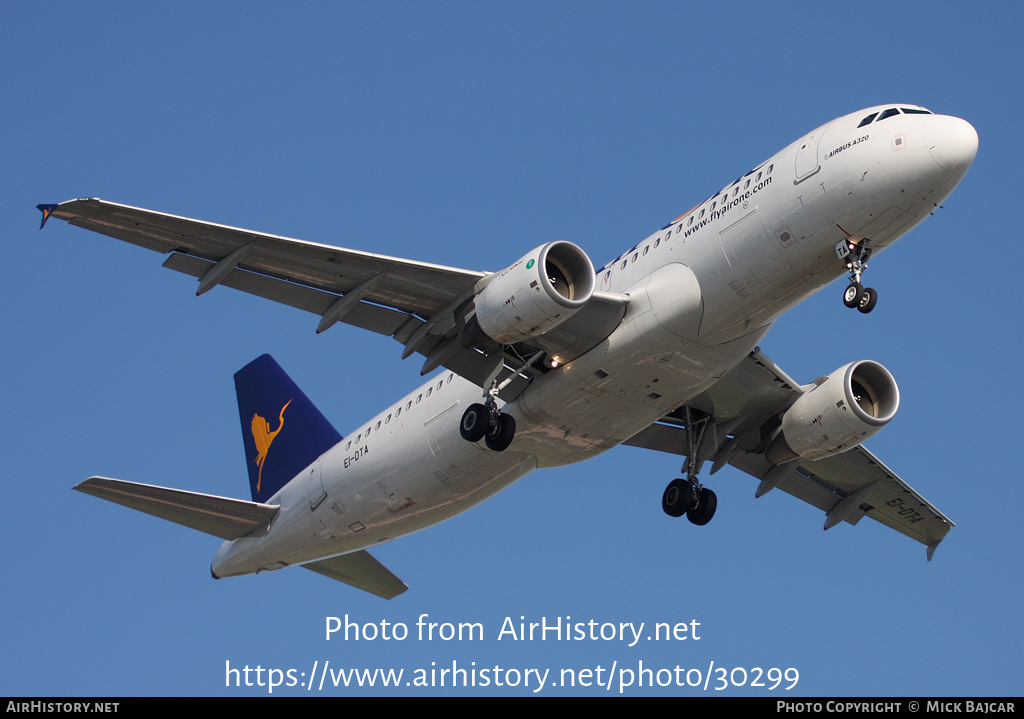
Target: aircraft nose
953 143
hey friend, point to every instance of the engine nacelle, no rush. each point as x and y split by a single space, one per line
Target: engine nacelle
840 413
543 289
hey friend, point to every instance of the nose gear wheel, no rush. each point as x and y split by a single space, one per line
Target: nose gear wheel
856 295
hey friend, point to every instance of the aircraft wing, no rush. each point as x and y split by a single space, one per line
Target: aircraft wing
846 486
220 516
414 302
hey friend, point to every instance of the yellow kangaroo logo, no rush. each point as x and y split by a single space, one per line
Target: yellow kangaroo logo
263 437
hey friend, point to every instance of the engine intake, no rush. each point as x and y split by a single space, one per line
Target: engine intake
541 290
838 414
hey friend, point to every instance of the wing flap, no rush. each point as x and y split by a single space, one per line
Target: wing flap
222 517
375 318
362 571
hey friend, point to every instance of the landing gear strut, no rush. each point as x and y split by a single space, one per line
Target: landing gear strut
686 495
856 255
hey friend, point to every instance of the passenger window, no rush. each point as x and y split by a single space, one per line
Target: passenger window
387 419
867 120
646 247
888 113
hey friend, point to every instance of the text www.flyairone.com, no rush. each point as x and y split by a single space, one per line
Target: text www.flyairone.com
740 199
460 675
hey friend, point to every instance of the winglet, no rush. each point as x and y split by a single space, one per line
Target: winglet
47 210
931 550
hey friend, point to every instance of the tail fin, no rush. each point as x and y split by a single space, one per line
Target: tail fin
281 429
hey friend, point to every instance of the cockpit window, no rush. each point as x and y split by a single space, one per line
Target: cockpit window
888 113
915 111
867 120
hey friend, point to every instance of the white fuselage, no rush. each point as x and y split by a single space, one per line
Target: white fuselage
703 292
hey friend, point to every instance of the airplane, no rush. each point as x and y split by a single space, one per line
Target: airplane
549 362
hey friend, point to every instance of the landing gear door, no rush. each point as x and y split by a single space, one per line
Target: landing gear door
807 154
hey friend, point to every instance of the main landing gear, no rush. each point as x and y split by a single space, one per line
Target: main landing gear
856 255
686 495
487 422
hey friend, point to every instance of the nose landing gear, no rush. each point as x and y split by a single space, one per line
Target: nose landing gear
856 255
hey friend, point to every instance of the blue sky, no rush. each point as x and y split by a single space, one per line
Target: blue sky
465 134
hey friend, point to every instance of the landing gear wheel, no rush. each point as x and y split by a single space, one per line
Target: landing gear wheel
705 510
500 435
868 299
474 423
852 295
678 498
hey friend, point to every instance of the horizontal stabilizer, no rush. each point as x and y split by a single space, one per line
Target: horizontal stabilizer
361 571
222 517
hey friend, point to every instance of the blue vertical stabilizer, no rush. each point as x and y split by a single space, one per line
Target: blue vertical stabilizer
281 429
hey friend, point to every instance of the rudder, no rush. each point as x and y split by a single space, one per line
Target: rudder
283 432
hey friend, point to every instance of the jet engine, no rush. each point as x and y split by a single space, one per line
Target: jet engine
837 414
540 291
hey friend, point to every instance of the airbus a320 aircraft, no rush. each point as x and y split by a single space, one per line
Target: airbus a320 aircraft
548 362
